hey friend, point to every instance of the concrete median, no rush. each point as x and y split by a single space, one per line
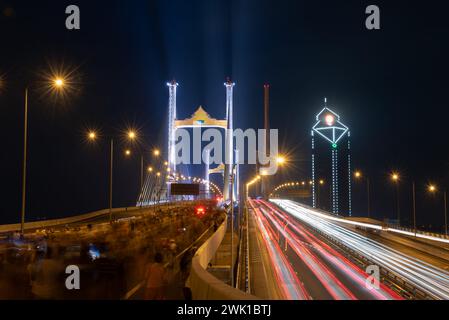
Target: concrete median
204 285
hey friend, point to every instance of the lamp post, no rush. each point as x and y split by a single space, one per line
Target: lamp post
396 179
318 195
111 175
414 206
358 175
433 189
56 84
93 136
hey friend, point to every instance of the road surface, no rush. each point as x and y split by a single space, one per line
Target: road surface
307 266
422 275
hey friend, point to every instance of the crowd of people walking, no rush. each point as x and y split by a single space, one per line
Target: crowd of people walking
154 248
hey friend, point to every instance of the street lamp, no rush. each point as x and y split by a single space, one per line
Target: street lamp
281 160
93 136
395 177
359 176
318 196
56 84
132 135
433 189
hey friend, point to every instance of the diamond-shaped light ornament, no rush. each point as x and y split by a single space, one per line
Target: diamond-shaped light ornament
330 127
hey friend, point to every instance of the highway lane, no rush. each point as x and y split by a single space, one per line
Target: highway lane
428 278
263 280
325 273
426 252
290 285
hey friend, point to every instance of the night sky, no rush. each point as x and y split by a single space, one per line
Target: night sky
389 86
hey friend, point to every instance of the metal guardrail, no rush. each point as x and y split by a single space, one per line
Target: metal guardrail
437 237
248 266
64 221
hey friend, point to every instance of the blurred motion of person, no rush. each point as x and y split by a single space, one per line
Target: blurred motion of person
47 277
176 287
155 279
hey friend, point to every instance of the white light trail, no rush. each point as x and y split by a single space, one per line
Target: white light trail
432 280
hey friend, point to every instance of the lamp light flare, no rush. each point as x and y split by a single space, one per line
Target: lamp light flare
58 83
395 177
128 153
281 160
432 188
92 136
132 135
358 174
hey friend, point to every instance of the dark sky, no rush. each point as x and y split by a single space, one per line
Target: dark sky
389 86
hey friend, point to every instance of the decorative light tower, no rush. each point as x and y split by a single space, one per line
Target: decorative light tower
332 130
229 148
171 125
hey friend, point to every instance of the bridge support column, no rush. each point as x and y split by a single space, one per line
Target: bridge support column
229 149
171 125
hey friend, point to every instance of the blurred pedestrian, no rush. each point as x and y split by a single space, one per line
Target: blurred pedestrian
48 277
155 279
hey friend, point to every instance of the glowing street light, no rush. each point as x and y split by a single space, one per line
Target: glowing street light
132 135
358 175
395 177
281 160
57 83
150 169
156 152
92 135
432 188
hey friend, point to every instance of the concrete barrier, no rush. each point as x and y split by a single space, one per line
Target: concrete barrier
204 285
61 222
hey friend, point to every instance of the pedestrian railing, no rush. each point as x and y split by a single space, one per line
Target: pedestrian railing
133 292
